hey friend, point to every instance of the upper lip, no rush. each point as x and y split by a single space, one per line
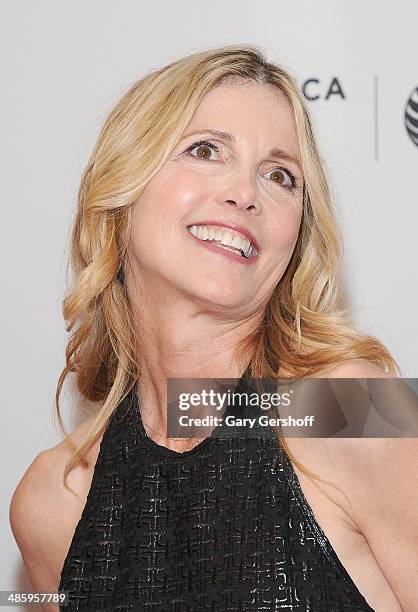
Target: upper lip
232 226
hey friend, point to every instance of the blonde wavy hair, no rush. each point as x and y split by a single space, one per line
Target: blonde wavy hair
304 328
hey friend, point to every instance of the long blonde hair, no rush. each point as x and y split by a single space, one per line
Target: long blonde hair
304 328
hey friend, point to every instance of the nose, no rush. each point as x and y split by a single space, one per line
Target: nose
240 192
241 203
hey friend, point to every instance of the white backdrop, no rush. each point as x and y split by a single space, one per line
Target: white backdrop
64 65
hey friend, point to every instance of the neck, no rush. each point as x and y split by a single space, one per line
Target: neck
178 342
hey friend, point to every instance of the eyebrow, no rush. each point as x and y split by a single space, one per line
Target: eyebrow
275 153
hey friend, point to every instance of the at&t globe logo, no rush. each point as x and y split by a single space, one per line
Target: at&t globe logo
411 116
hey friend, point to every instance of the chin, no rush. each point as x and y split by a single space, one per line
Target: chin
220 294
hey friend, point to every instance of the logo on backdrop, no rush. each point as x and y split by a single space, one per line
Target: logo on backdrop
315 89
411 116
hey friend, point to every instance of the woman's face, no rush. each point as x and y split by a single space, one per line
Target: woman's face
233 178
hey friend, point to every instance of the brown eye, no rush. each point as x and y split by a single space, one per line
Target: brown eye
278 176
203 150
283 177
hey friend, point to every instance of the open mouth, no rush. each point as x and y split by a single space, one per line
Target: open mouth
225 238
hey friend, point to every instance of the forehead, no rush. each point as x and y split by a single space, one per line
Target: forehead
251 111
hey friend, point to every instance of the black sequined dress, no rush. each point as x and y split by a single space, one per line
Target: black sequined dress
223 527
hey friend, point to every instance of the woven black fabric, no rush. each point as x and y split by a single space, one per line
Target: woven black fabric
223 527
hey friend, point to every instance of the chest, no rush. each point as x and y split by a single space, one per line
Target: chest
220 529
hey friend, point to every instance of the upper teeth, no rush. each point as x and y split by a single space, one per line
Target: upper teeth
210 232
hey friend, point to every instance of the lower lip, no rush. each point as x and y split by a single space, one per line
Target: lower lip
226 254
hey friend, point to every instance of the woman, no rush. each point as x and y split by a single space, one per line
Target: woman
219 139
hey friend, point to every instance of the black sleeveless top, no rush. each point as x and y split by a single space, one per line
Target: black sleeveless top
223 527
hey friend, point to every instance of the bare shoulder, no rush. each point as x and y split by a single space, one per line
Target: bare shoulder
43 513
354 368
375 482
342 461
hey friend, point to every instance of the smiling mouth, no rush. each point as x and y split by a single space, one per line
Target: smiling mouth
224 239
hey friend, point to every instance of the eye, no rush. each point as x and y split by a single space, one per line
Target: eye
284 177
203 149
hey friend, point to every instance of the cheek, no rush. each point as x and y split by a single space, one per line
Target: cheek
285 229
182 192
174 191
160 214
